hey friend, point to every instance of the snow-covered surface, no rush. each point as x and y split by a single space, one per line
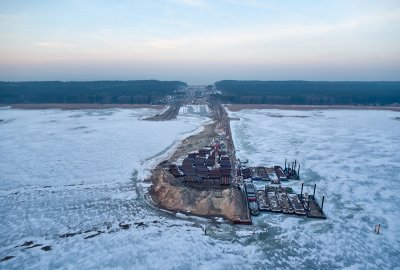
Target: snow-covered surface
354 158
66 176
195 109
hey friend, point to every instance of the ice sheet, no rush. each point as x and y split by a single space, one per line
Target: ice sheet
353 157
73 180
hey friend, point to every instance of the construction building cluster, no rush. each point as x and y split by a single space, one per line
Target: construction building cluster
210 166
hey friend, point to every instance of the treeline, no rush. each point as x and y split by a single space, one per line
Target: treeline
132 92
309 92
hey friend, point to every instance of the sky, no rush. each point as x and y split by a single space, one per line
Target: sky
199 41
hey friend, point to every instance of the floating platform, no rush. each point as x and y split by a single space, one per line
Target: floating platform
285 200
275 174
296 204
313 209
254 208
280 173
272 176
251 197
262 201
284 203
272 199
259 173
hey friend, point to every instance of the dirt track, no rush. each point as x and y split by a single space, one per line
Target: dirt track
169 114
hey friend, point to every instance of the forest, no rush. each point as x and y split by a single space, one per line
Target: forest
309 92
128 92
242 92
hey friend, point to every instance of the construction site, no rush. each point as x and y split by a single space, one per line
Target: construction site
203 177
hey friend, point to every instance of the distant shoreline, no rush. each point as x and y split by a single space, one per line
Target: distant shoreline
231 107
80 106
238 107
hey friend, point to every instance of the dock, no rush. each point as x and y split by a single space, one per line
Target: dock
284 200
275 197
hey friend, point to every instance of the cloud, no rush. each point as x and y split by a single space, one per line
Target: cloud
47 44
52 44
191 3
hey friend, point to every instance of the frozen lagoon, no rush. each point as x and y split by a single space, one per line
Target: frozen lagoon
81 172
354 158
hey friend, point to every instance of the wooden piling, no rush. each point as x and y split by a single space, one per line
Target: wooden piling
322 204
298 172
302 189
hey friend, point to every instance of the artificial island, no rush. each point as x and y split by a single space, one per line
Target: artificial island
203 177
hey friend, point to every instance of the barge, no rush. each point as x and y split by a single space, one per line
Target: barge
272 176
296 204
284 202
314 210
262 201
259 173
272 199
275 174
251 198
254 209
280 173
